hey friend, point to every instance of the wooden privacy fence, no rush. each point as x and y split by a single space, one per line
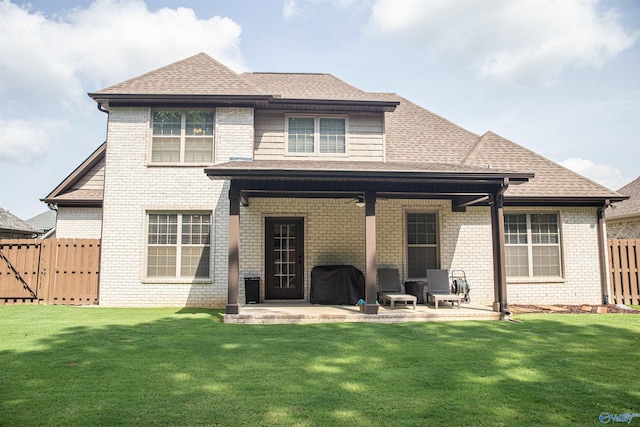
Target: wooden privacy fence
624 263
51 271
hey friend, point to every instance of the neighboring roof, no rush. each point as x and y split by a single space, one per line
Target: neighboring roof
67 193
630 207
12 224
44 221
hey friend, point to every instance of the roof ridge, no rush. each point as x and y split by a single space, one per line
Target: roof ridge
285 73
133 79
634 186
230 74
551 162
408 101
471 155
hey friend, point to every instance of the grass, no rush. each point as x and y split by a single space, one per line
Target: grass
88 366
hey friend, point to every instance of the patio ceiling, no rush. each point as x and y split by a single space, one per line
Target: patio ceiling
307 179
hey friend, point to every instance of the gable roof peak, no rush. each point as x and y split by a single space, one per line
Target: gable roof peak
199 74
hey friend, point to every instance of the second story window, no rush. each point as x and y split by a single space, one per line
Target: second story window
316 135
182 136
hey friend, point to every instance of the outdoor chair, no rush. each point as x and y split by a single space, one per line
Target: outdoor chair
438 288
390 290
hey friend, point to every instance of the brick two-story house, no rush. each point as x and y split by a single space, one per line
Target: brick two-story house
209 176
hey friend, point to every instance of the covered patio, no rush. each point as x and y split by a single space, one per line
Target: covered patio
300 313
369 182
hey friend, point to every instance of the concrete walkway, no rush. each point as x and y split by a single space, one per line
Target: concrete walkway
298 313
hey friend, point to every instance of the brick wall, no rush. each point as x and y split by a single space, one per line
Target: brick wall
334 228
581 263
623 229
334 234
132 188
79 223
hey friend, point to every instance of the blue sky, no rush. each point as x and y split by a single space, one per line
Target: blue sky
561 78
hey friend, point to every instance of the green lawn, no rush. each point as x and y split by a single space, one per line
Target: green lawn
96 366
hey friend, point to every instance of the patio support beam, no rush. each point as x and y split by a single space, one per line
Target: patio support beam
499 269
234 249
370 242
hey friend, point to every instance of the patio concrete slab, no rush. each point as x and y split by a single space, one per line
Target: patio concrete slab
299 313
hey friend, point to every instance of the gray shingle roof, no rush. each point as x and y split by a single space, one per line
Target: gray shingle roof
196 75
414 135
630 207
551 180
10 222
305 86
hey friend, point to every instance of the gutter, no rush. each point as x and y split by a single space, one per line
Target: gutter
603 252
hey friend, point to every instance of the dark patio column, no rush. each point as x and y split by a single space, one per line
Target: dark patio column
234 249
499 269
370 241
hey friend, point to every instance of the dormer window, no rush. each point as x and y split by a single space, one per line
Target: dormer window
316 135
182 136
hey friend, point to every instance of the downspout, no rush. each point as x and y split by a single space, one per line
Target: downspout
106 111
603 252
100 108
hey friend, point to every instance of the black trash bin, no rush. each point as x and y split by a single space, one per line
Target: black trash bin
252 289
416 289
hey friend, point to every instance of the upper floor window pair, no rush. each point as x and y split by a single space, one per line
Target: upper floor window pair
187 136
182 136
316 135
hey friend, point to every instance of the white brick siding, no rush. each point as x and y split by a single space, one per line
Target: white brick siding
234 134
334 234
132 188
623 229
581 264
334 228
79 223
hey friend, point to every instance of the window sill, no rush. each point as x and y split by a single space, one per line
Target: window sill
179 165
172 281
316 155
535 280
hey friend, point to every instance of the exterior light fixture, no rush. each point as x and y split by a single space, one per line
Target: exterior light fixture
360 201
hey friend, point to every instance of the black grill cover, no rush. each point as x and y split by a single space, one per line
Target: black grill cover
336 285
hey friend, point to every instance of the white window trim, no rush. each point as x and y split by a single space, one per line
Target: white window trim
177 279
316 135
531 278
183 126
405 239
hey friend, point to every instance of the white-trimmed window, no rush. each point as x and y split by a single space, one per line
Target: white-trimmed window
422 243
316 134
178 245
532 245
182 136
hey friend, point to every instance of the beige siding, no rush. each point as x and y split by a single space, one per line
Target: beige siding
366 142
92 180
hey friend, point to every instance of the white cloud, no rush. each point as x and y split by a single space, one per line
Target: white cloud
290 9
519 42
27 141
606 175
110 40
